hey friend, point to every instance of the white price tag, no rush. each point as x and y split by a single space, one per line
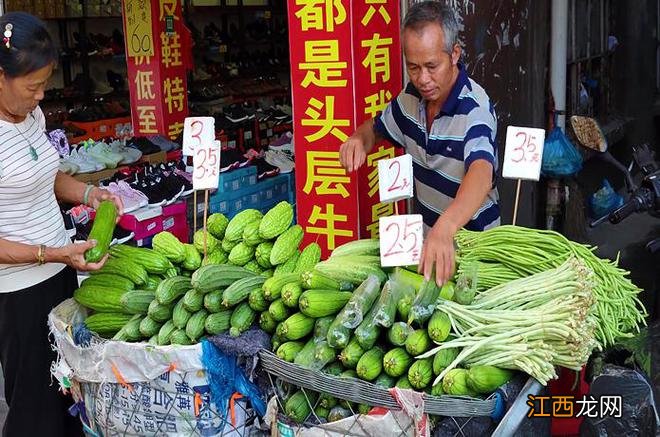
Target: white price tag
401 239
206 162
395 178
197 130
523 153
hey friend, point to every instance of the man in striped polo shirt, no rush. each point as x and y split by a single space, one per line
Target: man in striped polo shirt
446 122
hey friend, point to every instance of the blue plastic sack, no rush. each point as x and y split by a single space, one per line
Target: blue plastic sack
604 201
560 158
226 378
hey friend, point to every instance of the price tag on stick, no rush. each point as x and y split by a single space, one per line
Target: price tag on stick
395 178
206 162
401 240
195 132
523 153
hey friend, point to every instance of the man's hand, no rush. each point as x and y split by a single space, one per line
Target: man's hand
438 252
74 255
352 153
97 195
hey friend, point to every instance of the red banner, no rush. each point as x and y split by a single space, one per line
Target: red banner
322 84
345 67
158 47
378 79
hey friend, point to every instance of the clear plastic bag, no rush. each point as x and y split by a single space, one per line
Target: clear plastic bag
386 305
361 302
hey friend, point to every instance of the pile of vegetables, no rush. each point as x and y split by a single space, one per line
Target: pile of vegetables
506 253
172 294
522 300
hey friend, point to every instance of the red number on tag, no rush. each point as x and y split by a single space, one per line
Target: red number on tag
526 146
396 179
406 234
201 128
201 154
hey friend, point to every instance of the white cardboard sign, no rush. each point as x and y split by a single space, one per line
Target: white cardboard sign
523 153
195 132
395 178
401 240
206 156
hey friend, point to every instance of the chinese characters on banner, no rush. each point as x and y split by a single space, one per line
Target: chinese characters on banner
322 83
158 49
378 79
345 67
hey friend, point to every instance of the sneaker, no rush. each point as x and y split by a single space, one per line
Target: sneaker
83 162
68 167
144 145
280 160
165 144
131 202
129 154
228 160
236 114
121 236
101 152
284 139
136 195
264 169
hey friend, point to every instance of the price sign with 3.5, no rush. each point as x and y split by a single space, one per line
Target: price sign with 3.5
523 153
401 239
395 178
206 152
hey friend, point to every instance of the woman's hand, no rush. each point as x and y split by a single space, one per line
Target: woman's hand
97 195
74 255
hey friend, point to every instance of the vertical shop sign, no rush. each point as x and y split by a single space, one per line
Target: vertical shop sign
378 79
322 83
158 47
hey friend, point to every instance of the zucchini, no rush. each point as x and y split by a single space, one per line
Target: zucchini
160 312
131 330
439 326
152 261
273 285
297 326
257 300
322 303
278 310
443 358
288 351
108 280
351 354
396 362
214 276
291 293
165 332
367 333
149 327
267 323
193 300
418 342
172 288
424 303
196 324
240 290
180 315
370 364
487 379
219 322
136 301
102 230
241 319
420 373
305 356
100 299
398 333
360 302
107 324
213 301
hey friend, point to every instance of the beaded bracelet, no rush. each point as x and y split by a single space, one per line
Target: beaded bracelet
86 195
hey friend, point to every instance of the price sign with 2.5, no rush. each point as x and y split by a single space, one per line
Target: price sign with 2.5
395 178
523 153
401 239
200 133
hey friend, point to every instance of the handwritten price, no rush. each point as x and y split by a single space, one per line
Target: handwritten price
199 137
526 150
395 178
523 153
401 239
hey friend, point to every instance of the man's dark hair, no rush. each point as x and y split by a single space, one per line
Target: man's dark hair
422 13
30 46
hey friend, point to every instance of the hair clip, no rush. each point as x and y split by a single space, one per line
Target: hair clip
7 34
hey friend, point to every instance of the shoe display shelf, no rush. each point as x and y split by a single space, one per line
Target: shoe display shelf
96 130
96 177
268 131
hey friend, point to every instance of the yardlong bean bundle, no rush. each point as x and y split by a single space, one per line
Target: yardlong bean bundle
523 252
531 324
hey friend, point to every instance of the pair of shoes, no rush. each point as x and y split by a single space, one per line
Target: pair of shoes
132 199
264 169
231 159
129 155
84 162
279 160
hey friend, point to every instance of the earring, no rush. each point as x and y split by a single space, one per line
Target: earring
7 35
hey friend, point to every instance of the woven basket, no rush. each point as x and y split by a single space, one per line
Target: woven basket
588 133
362 392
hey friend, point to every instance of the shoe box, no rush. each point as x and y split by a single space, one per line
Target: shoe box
147 222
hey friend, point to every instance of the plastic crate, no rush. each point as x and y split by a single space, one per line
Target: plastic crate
237 179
